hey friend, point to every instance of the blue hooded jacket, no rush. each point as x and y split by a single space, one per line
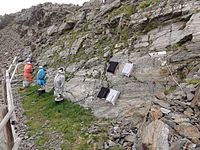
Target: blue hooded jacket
40 76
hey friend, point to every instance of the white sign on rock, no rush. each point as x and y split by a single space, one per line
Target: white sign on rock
128 68
112 96
158 54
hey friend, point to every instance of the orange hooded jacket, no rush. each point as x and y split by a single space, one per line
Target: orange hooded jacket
28 68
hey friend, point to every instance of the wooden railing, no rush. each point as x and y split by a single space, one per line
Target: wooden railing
9 117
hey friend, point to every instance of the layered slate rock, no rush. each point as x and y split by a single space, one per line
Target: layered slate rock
52 29
155 136
189 131
77 44
66 26
85 39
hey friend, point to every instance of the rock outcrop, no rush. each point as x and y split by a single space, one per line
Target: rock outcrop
156 107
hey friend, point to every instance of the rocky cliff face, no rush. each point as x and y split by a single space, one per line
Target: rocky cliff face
85 39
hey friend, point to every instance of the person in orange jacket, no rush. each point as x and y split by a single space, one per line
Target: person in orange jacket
28 68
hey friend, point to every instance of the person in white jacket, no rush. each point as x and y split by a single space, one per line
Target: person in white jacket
59 82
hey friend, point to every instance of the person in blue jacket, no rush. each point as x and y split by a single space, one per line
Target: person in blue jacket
41 77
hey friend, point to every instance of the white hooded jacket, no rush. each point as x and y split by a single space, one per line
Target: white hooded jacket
59 82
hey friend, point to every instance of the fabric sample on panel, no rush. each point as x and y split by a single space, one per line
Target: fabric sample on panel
112 66
128 68
103 92
112 96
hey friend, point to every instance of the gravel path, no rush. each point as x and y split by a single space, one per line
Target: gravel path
27 141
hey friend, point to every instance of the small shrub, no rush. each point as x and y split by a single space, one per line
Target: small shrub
181 75
170 90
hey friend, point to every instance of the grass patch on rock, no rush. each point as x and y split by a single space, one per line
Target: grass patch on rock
147 3
170 90
65 123
128 10
152 25
193 81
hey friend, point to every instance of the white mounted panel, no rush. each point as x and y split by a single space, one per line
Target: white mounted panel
112 96
128 68
158 54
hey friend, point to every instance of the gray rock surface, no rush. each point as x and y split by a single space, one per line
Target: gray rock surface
66 26
189 131
2 141
52 29
109 7
76 45
85 39
155 136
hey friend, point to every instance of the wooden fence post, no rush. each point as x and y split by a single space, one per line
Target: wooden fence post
10 96
7 131
12 141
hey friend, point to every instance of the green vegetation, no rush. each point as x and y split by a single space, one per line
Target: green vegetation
147 3
151 26
128 10
170 90
74 35
176 46
68 76
193 81
66 120
125 34
103 42
85 27
81 55
60 43
181 75
66 42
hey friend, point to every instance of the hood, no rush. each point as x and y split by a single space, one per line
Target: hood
44 69
61 72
